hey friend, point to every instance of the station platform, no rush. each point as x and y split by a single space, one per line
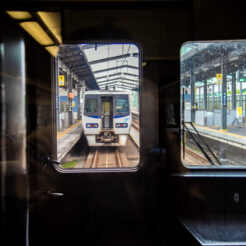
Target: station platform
67 139
232 136
134 130
134 133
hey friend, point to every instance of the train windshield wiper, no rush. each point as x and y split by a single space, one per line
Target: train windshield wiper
200 146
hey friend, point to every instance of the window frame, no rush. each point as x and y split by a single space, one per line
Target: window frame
140 165
202 171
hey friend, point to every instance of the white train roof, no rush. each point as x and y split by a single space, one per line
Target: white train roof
106 92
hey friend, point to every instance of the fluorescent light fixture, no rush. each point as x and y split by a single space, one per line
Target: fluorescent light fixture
36 31
19 15
52 50
216 65
53 21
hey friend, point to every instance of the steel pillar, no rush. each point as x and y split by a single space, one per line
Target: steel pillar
233 91
57 96
224 94
205 99
78 103
205 94
192 94
70 100
212 97
240 96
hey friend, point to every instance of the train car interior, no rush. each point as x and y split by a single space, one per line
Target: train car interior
163 82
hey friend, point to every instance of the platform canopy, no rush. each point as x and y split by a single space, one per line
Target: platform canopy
74 58
204 59
115 66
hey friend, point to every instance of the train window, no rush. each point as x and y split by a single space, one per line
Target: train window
213 104
91 106
97 106
122 107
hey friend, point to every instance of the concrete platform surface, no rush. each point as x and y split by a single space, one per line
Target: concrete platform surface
233 136
67 139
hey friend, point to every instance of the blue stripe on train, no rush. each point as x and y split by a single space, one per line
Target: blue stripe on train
95 117
115 117
120 116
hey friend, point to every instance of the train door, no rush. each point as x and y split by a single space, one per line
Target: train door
107 112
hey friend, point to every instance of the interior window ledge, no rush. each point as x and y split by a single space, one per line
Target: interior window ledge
241 173
217 231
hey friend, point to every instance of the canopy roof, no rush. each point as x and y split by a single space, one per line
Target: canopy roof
115 66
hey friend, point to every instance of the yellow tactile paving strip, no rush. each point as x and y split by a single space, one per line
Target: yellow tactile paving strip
65 132
224 132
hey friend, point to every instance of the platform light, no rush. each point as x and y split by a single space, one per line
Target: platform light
36 31
52 50
53 21
19 15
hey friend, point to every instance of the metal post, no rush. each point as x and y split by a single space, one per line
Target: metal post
219 97
224 94
70 100
205 100
233 91
57 95
192 92
240 95
78 102
199 97
212 97
205 94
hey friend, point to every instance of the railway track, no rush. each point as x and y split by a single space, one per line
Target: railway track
195 157
106 157
113 157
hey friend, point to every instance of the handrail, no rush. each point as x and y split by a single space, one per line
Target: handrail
198 144
215 157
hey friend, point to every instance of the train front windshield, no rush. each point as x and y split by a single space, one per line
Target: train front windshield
122 106
91 106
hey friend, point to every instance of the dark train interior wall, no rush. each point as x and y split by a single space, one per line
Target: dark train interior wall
137 208
14 182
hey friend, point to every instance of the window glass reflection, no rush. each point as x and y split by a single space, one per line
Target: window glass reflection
213 119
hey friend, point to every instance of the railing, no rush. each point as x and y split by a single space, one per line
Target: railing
202 145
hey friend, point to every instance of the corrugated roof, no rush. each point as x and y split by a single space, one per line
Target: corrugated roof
114 65
74 58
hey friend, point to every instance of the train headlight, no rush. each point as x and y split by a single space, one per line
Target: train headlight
91 125
121 125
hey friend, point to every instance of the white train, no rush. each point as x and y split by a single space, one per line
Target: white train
106 117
